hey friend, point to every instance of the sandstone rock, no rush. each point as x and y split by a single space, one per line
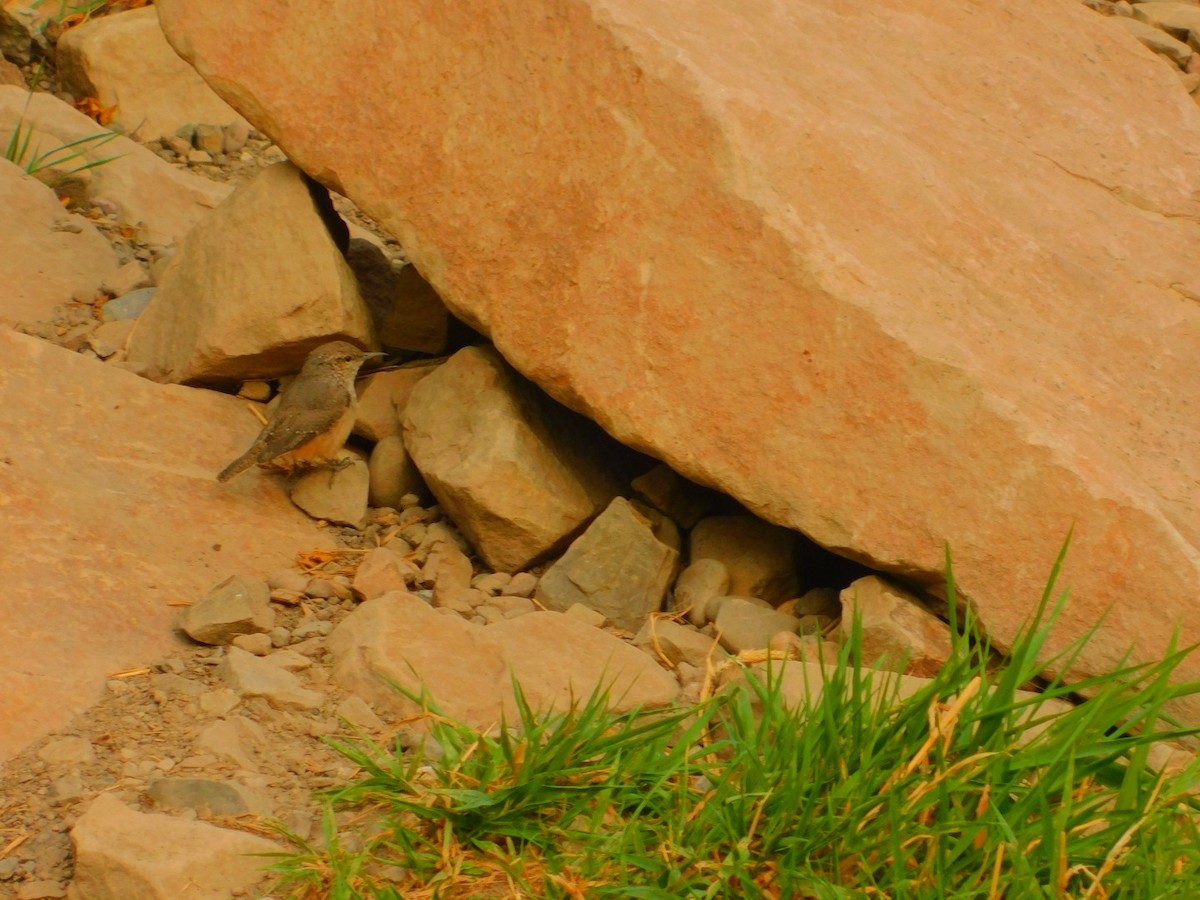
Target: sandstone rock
523 584
253 289
235 606
1157 40
399 637
209 797
698 583
448 569
11 74
358 712
1180 20
517 475
259 643
744 625
897 631
408 313
335 495
124 61
160 202
251 676
94 457
236 739
382 571
939 388
617 567
22 27
392 473
586 615
382 398
70 750
130 277
121 853
676 643
49 254
760 557
684 502
109 338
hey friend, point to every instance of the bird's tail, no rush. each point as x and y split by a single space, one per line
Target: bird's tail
239 465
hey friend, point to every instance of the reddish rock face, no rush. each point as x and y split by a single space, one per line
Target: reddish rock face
892 277
110 515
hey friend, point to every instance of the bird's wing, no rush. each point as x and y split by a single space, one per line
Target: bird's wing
297 421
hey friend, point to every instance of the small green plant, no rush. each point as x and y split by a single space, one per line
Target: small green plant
969 788
19 149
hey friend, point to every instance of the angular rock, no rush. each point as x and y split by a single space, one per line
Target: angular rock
616 567
684 502
516 474
335 495
158 201
1157 40
121 853
676 643
209 797
382 398
235 606
399 637
49 254
698 583
380 572
448 569
126 307
22 29
69 750
91 456
760 557
939 388
1180 20
251 676
898 632
392 473
109 338
408 313
124 61
256 285
742 624
235 739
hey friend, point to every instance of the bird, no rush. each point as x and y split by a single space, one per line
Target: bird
314 415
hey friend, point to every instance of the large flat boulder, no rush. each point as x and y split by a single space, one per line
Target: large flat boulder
893 276
110 514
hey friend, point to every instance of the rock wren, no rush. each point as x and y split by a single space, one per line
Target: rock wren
314 415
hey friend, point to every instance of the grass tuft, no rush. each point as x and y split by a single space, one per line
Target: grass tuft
849 787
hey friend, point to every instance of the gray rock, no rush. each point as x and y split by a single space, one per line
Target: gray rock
209 797
235 606
616 567
127 306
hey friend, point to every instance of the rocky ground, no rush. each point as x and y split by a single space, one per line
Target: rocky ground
228 731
